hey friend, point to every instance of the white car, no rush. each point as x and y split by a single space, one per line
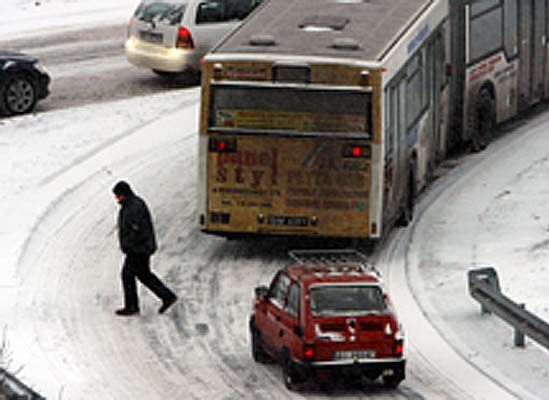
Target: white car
171 36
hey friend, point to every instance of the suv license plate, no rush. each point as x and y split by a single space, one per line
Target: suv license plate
354 355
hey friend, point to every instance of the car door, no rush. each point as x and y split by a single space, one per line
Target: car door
290 329
271 326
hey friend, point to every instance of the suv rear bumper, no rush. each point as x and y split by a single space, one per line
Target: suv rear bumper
370 368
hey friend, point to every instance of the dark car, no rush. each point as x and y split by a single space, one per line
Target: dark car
327 322
23 81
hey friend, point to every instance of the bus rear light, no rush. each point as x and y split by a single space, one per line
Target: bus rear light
184 39
222 145
218 71
448 70
314 221
260 218
356 151
364 78
202 219
373 228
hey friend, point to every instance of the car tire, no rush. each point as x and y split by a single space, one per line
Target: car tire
19 95
166 74
258 354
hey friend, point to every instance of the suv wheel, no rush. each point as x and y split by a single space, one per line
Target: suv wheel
19 95
258 354
290 377
392 381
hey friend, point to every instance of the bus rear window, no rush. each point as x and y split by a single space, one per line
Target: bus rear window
290 108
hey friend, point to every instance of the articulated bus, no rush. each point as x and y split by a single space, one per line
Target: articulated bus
327 118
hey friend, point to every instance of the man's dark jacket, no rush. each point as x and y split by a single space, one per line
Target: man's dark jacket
135 228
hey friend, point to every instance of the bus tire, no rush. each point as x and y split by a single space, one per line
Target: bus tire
485 121
407 214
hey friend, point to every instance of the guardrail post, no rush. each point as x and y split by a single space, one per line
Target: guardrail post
487 275
519 336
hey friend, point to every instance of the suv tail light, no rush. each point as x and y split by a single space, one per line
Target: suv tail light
184 39
309 352
398 348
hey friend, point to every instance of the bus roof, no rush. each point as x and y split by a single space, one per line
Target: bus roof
356 29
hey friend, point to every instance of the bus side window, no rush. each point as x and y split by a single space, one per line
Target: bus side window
510 27
390 121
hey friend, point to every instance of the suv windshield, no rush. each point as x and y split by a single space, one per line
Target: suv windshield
160 11
338 300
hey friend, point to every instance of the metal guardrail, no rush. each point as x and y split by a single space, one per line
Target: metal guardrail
13 389
484 288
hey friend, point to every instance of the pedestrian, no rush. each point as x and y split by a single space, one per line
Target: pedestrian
138 243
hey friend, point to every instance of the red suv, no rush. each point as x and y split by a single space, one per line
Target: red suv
327 322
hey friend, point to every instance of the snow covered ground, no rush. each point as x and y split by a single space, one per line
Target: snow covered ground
496 213
34 17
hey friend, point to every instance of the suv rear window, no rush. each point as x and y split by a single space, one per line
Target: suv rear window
224 10
166 12
336 300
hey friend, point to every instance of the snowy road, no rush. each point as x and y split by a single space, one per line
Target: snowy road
63 331
60 281
88 65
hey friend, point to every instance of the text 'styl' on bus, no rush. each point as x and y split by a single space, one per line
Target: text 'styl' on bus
326 117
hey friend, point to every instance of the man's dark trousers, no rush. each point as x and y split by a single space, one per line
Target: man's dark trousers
138 266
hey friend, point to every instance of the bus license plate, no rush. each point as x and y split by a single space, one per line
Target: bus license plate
354 355
290 221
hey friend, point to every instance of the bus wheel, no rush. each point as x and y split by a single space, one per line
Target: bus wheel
485 121
407 214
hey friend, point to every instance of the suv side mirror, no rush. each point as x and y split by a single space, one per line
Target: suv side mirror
262 291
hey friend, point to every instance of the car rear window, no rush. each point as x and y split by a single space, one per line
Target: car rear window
166 12
352 299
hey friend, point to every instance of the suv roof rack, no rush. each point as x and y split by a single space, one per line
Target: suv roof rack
333 257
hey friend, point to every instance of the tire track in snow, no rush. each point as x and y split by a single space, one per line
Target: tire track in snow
72 266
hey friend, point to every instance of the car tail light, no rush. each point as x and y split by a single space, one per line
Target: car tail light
184 39
309 352
129 27
398 348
